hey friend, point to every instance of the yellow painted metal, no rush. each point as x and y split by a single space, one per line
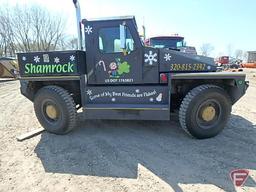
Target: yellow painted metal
7 68
208 113
51 112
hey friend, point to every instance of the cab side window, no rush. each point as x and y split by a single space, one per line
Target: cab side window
109 40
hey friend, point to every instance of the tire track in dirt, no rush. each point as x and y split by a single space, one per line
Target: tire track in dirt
106 155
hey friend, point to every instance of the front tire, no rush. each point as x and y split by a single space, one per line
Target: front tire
55 109
204 111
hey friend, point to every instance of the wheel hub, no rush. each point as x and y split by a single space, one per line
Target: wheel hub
208 113
51 112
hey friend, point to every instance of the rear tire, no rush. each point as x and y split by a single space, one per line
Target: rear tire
55 109
204 111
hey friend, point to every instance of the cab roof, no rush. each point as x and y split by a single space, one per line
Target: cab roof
167 37
111 18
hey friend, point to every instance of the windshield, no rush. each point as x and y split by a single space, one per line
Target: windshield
167 43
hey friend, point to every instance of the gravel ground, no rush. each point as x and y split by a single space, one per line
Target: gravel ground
123 155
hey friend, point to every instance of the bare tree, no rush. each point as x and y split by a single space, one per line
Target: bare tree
206 49
31 28
37 29
245 56
7 45
72 43
230 50
239 54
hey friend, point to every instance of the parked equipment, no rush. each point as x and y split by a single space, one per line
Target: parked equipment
8 67
251 62
228 63
117 77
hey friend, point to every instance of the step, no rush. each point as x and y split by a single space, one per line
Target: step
126 112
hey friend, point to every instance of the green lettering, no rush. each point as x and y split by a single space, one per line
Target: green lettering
53 68
46 68
65 66
59 68
39 69
70 68
27 69
33 68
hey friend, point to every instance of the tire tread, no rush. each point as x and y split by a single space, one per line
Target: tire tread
186 102
70 104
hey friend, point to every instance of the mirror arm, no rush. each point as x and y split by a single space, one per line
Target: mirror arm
122 37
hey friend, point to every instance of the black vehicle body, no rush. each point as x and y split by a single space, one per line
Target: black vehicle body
169 42
141 83
175 42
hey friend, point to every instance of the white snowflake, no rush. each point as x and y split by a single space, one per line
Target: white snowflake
37 59
113 99
56 60
150 58
24 58
137 90
209 67
72 58
89 92
88 29
167 57
151 99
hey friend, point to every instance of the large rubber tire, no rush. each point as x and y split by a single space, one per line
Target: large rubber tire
195 103
65 109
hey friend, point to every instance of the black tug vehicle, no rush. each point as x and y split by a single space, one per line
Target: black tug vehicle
117 77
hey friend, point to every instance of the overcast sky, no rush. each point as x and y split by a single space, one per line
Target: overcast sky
222 23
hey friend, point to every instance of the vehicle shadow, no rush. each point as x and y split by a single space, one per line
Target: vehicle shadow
115 148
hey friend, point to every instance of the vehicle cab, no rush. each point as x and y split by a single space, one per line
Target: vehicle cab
114 53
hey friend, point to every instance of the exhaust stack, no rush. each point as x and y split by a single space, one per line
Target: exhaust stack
78 21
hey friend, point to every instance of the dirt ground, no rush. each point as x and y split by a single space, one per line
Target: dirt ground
123 155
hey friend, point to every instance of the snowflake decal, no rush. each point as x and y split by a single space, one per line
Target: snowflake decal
89 92
167 57
113 99
209 67
37 59
56 60
150 58
88 29
72 58
137 90
24 58
151 99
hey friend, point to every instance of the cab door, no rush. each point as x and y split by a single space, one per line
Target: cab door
110 63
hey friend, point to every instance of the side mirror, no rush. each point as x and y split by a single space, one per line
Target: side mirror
122 37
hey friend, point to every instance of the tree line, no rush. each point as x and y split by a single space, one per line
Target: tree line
206 49
32 28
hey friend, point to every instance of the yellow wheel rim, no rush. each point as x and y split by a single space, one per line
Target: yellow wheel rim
208 113
51 112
